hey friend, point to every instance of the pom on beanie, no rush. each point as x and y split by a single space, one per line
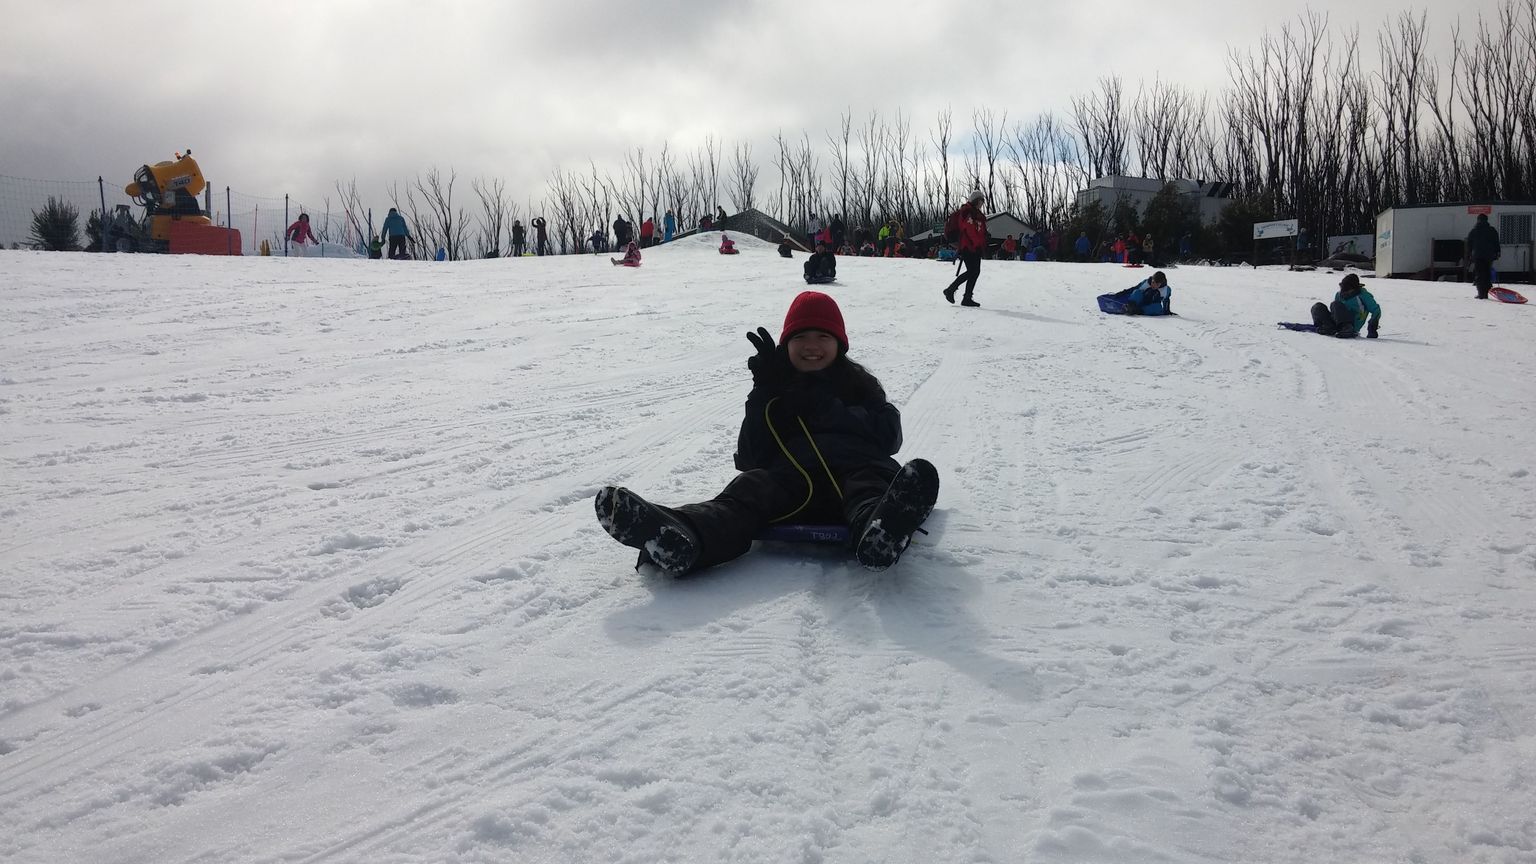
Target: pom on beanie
813 310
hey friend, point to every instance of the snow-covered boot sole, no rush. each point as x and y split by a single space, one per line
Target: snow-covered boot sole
903 509
661 537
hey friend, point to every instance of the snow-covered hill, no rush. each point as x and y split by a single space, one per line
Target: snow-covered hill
298 563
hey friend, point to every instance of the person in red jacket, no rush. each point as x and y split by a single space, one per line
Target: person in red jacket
647 231
968 225
300 235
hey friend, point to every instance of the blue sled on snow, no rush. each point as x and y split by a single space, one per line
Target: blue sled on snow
1109 304
795 533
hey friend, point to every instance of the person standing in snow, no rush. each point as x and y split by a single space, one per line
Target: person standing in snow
968 225
668 226
647 232
395 233
519 238
815 446
300 235
1483 248
540 236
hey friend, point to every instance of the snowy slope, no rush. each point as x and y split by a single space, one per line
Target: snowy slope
298 563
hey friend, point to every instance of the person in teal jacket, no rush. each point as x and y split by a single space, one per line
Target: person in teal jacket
1151 296
1352 308
395 234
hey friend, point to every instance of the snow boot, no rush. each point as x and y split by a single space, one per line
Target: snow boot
899 513
662 537
949 294
968 301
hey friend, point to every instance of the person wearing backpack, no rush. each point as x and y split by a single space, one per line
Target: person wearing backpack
967 229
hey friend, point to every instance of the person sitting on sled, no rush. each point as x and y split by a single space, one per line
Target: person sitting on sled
631 255
1150 296
821 267
815 446
727 245
1352 307
785 249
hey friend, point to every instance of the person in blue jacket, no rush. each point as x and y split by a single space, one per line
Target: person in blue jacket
1352 308
668 226
1150 296
395 234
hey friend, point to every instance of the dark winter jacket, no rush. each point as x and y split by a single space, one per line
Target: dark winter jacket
1483 243
821 264
394 226
843 409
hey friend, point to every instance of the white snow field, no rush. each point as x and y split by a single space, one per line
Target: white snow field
298 563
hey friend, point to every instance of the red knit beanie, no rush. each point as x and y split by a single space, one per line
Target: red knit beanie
813 310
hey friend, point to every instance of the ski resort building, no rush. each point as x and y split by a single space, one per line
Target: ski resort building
1208 198
1427 241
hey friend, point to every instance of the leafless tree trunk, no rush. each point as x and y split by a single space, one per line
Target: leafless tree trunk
743 180
494 218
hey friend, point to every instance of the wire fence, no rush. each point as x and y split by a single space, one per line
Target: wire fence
259 219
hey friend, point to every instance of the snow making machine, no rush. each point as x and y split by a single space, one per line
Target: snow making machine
173 221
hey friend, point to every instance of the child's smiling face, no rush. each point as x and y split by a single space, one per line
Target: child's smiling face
811 350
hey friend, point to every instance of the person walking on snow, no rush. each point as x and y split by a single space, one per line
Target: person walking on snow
300 235
1483 249
967 229
815 446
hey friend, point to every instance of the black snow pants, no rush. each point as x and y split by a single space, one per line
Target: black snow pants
972 273
1337 320
727 524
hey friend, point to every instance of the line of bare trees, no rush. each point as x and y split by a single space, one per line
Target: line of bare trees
1303 129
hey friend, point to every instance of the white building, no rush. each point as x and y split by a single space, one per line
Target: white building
1209 199
1429 239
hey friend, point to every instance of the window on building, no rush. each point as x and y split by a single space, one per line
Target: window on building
1515 228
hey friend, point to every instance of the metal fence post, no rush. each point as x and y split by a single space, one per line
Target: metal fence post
285 224
101 226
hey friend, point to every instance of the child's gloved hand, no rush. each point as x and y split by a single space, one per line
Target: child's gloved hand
767 369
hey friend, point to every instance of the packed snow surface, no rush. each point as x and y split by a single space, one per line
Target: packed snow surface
298 563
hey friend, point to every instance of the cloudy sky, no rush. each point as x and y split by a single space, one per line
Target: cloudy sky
292 96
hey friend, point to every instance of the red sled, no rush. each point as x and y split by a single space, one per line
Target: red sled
1506 295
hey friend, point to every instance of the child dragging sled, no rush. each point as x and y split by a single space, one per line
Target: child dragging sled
815 446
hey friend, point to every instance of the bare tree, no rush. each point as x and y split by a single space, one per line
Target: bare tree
494 215
1101 126
742 183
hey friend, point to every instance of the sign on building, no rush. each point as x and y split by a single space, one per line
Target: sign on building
1282 228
